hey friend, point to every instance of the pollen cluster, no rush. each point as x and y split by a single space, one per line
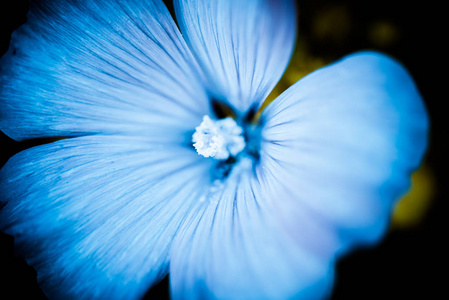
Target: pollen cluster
219 139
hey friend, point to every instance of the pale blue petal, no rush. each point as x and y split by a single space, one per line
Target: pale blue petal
342 143
82 66
235 247
338 149
96 215
243 45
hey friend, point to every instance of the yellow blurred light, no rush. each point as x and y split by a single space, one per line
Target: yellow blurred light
332 23
383 33
412 207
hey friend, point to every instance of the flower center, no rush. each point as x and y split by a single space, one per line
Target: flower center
218 139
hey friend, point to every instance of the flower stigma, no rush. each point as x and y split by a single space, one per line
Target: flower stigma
219 139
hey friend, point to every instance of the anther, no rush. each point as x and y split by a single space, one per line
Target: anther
218 139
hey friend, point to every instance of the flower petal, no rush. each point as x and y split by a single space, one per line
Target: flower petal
80 67
234 247
96 215
244 46
344 140
337 150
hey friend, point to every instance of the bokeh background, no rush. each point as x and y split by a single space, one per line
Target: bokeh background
406 264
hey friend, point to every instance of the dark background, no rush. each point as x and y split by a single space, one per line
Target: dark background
407 262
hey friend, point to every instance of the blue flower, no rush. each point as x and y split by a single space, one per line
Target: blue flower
163 166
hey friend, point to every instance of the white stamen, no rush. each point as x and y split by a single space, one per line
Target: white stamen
218 139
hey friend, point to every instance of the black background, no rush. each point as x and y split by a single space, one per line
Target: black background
407 262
